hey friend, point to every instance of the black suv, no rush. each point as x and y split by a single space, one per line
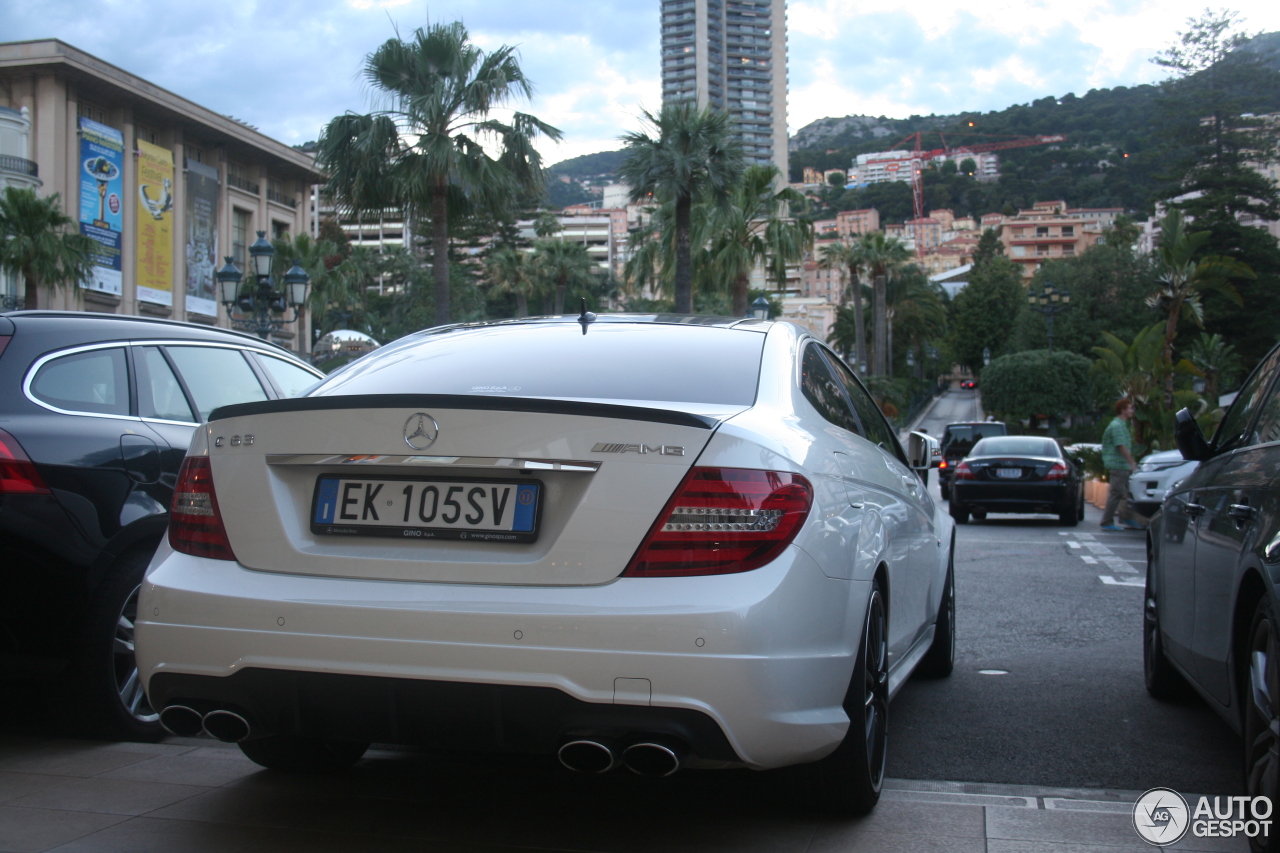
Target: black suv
96 412
957 440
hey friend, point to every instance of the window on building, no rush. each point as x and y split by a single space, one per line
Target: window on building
241 225
1068 231
195 154
1068 250
91 111
1042 231
279 230
146 133
1019 251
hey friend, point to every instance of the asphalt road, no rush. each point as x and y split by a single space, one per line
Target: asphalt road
1071 710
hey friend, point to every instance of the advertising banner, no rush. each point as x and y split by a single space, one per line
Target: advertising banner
155 223
102 202
202 238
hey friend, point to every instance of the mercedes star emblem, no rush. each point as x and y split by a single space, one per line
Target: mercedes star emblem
420 431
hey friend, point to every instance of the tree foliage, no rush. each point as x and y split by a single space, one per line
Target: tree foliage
36 242
984 313
1035 383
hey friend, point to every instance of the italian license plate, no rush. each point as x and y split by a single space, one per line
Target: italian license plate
439 508
1009 473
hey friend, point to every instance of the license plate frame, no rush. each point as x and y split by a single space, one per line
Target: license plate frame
526 517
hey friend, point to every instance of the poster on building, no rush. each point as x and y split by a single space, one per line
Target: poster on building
101 202
202 238
155 224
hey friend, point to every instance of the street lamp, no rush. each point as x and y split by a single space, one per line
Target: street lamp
262 304
1049 302
759 308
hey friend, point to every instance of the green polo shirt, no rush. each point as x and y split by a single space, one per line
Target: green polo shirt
1115 436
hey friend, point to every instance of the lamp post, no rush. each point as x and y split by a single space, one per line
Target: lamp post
759 308
1049 302
262 304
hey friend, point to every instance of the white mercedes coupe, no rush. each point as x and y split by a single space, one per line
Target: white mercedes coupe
651 541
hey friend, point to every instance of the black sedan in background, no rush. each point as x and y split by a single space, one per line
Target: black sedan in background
96 412
1017 473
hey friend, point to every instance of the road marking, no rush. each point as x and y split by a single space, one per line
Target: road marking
1071 544
1110 581
1100 553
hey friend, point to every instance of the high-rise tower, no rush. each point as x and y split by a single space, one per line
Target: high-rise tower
732 54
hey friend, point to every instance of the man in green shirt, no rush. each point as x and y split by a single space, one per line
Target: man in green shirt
1119 461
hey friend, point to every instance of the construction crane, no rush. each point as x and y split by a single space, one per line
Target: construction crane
919 157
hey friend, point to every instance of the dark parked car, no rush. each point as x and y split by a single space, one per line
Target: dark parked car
96 412
1213 551
957 440
1017 473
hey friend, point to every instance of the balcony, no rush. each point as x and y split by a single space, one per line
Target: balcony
243 184
19 166
281 198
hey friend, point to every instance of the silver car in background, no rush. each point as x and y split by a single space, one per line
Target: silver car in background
1158 473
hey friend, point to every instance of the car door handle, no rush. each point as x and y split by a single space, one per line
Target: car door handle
1241 512
1193 510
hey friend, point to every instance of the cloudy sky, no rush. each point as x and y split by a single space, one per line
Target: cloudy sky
288 66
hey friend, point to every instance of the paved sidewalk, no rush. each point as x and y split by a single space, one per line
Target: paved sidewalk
188 794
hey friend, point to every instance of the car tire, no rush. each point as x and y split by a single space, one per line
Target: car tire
959 512
1162 680
940 660
100 693
1261 710
303 754
847 782
945 489
978 514
1080 506
1070 514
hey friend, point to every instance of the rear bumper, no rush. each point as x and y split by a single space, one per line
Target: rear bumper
722 661
1015 497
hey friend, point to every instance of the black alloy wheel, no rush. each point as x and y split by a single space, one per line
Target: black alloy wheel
1162 680
940 660
1261 708
848 781
100 693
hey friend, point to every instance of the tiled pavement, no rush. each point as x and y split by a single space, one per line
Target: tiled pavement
198 795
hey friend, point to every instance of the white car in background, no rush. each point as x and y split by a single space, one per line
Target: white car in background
641 541
1156 474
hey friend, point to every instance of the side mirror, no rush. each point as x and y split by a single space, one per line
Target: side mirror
1190 439
923 452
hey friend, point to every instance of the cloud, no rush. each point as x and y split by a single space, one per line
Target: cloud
288 66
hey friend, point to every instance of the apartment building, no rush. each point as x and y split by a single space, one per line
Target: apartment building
851 223
731 55
1043 233
165 187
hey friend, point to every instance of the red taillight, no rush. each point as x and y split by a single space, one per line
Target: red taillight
195 524
18 474
724 520
1057 472
943 463
964 472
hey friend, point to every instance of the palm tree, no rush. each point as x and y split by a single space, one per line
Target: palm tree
511 271
1217 361
848 256
425 152
914 307
753 228
690 158
1184 280
35 243
882 256
561 265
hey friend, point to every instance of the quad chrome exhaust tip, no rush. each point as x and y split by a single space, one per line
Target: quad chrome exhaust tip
182 721
587 756
653 759
226 726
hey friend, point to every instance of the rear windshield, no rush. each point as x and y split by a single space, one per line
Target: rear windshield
1016 446
615 361
964 435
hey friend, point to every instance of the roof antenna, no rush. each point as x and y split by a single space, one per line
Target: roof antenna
587 317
